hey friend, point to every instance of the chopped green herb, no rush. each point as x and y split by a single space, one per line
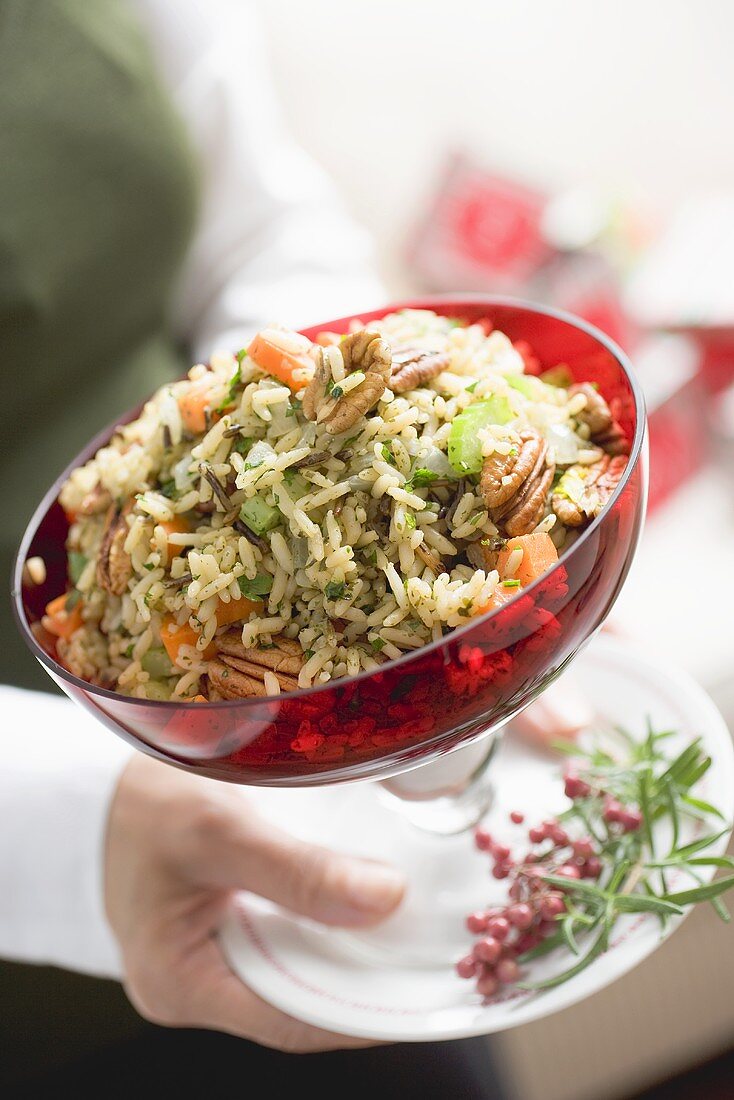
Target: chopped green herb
337 392
294 407
511 584
234 382
129 651
475 519
257 587
72 599
243 444
309 653
168 489
472 386
378 644
148 565
77 563
371 556
422 478
387 454
410 521
334 590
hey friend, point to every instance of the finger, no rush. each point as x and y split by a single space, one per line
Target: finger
221 1002
238 849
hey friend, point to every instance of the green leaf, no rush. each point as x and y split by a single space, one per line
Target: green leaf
702 893
233 382
243 444
168 489
77 564
700 804
639 903
335 590
698 845
597 948
422 478
256 588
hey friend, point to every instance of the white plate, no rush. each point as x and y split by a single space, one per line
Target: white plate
319 977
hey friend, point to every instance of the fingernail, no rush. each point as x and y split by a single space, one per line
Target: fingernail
374 888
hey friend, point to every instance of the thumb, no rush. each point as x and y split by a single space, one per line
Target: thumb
244 851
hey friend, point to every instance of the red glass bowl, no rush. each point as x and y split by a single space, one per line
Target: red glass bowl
417 707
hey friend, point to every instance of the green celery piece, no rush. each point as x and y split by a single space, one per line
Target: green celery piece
259 516
157 663
523 384
465 448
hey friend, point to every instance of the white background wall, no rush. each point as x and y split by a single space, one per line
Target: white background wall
637 95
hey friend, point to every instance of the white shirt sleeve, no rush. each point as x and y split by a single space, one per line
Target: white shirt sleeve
273 243
58 772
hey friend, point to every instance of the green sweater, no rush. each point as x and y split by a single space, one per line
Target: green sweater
97 202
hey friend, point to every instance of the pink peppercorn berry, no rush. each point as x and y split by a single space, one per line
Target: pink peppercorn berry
477 922
488 950
516 817
467 967
575 787
499 928
520 916
551 906
507 971
482 839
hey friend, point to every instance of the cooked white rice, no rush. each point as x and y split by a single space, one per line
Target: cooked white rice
339 572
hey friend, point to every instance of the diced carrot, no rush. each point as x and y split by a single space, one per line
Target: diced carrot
200 699
236 610
538 556
193 404
328 339
59 621
271 357
177 525
174 636
500 596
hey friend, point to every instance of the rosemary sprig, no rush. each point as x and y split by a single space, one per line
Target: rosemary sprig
602 858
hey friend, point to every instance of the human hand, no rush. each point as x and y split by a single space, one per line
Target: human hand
177 848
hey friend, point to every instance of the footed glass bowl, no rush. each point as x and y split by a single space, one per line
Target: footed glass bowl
424 704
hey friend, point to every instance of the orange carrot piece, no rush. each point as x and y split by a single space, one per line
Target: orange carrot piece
275 360
236 610
538 556
193 404
177 525
500 596
233 612
179 636
59 621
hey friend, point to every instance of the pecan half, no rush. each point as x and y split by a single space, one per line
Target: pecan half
502 475
238 672
97 500
413 367
114 567
583 491
604 430
515 487
364 351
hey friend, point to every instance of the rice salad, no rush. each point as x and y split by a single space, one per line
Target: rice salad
304 511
